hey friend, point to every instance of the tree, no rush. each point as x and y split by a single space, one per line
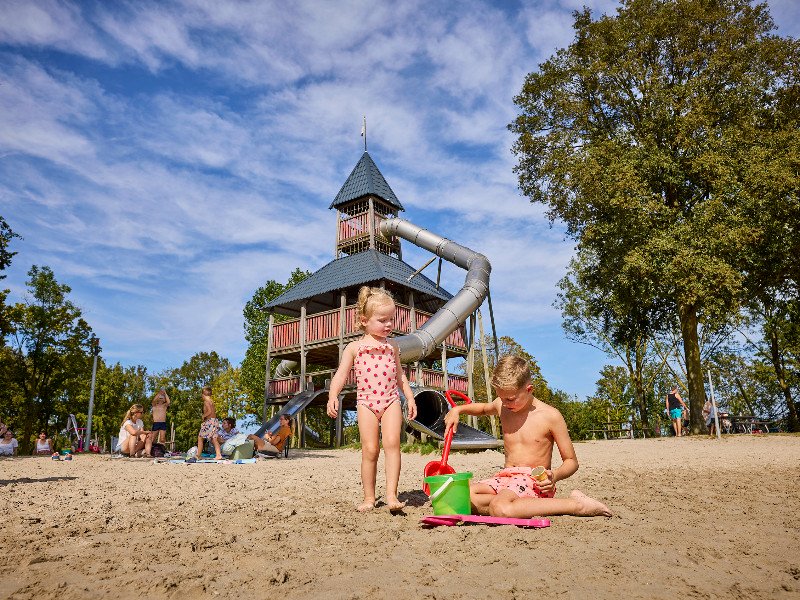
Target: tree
48 358
607 320
778 350
256 328
634 136
6 235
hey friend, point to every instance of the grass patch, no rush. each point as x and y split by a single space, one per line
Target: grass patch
420 448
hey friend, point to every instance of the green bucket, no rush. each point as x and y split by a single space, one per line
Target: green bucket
450 493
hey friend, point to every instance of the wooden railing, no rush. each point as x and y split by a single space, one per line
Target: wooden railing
324 326
435 379
357 226
289 386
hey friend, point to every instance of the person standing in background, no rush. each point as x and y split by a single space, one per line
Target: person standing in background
675 406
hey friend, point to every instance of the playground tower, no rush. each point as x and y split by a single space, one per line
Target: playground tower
318 315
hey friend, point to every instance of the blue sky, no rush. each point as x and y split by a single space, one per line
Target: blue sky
167 158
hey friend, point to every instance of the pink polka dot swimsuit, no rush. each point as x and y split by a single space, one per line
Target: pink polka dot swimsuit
376 377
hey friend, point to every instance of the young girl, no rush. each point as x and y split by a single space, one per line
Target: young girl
378 377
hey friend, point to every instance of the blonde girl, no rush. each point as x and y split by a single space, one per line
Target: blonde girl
379 377
133 437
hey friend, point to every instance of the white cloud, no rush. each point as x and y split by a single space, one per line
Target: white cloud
167 158
48 23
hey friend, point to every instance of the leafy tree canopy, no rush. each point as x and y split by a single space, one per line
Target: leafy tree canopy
634 137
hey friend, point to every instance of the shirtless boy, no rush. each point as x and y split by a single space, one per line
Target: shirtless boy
160 405
530 428
210 426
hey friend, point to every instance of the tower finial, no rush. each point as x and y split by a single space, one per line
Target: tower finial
364 132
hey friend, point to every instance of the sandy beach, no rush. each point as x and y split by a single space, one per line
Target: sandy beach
693 518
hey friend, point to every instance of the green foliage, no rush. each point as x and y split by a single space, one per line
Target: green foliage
635 136
256 328
420 448
47 361
6 235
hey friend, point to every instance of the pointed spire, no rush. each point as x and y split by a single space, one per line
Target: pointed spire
365 180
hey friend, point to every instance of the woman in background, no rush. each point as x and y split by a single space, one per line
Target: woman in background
44 445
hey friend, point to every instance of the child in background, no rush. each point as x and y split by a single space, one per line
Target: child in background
210 426
530 428
378 377
273 443
160 405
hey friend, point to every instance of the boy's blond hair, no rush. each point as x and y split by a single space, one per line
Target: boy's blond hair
511 373
368 299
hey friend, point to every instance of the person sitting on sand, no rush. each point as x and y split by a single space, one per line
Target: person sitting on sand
210 426
273 443
227 429
530 427
134 440
8 444
44 445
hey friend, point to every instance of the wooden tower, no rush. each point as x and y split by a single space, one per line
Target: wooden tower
319 313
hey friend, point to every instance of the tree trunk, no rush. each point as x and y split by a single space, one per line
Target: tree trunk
639 389
642 402
694 369
777 364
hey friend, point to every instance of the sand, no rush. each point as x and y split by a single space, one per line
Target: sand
693 518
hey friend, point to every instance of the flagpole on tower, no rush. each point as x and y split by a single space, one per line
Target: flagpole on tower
364 132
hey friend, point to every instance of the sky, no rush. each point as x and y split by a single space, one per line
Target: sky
167 158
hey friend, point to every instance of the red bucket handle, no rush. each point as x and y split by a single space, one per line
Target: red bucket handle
450 400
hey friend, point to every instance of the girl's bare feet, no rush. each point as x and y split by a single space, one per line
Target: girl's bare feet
395 505
589 507
365 506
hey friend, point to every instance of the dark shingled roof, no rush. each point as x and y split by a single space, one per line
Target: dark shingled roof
350 271
365 180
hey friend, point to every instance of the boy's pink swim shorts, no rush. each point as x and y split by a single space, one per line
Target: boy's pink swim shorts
519 481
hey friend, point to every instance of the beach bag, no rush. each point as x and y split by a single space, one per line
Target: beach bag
243 451
231 444
158 451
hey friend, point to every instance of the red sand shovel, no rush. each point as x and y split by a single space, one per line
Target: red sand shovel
441 467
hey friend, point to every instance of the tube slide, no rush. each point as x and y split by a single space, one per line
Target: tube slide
431 409
423 341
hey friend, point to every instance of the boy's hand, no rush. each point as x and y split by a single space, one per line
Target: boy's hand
332 408
451 419
412 409
546 485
